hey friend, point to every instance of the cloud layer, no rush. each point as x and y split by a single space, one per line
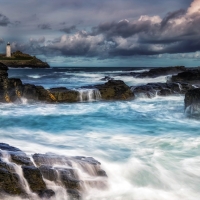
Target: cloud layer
104 35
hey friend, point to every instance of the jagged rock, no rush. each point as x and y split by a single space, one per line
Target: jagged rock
192 102
115 90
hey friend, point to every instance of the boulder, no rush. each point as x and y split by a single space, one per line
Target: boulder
115 90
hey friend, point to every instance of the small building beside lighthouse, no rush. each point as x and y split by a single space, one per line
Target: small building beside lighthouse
8 50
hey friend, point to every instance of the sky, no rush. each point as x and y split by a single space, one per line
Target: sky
121 33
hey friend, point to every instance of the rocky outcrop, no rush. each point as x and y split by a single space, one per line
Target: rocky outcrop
151 90
156 72
12 90
115 90
21 60
20 177
192 102
189 76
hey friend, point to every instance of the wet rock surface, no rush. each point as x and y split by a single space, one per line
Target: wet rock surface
115 90
20 177
189 76
151 90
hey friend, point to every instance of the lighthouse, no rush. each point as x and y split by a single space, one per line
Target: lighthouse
8 50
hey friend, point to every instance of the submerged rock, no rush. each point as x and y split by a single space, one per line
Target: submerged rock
74 174
192 102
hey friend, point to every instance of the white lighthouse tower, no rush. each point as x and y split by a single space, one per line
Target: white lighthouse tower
8 50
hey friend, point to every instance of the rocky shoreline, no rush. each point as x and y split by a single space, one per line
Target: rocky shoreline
180 81
28 177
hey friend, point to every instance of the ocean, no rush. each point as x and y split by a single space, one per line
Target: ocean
148 147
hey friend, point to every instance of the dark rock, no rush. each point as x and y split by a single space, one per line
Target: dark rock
69 179
6 147
34 178
115 90
48 172
189 76
192 102
73 194
101 173
161 71
107 78
21 159
64 95
66 175
161 89
10 183
48 193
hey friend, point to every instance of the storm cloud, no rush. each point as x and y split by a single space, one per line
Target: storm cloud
4 21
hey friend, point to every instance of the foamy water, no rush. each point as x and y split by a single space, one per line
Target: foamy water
148 147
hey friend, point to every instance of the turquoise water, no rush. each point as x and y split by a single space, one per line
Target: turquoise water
148 147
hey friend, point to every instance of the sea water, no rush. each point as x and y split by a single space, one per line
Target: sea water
148 147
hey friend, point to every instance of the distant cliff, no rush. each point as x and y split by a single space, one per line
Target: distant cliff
20 60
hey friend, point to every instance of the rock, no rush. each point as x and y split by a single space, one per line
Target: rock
34 178
10 183
192 102
6 147
47 194
74 194
189 76
115 90
64 95
107 78
156 72
150 90
66 175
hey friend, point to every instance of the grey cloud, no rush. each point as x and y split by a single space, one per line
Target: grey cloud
69 29
44 26
4 21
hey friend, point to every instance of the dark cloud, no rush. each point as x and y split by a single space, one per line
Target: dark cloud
44 26
69 29
4 21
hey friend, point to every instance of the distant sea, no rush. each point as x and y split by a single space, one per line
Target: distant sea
148 147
